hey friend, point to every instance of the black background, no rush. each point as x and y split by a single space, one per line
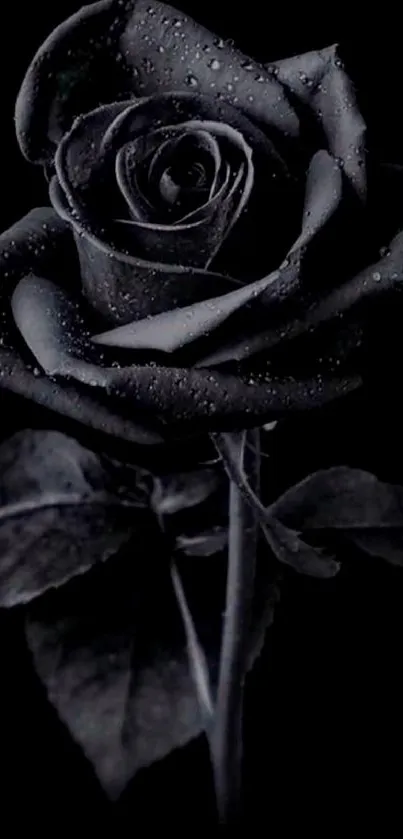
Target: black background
323 723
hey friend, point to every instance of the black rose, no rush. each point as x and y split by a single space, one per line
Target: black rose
222 219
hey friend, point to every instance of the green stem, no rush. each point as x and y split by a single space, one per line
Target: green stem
226 736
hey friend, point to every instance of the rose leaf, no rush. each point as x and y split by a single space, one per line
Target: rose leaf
172 493
197 658
352 503
112 654
206 543
285 542
58 514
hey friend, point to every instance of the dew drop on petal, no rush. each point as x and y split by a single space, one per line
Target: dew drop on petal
269 426
191 80
377 276
215 64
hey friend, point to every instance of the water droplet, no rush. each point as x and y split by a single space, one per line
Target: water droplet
215 64
191 80
178 23
36 371
376 276
251 98
247 65
259 78
148 65
220 44
230 87
270 425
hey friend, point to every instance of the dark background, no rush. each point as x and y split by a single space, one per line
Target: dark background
324 722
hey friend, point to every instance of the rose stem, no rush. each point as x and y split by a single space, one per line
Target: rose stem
226 736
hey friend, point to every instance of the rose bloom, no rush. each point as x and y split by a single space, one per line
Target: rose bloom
214 238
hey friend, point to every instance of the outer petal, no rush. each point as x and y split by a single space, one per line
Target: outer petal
122 287
319 80
40 241
187 400
121 48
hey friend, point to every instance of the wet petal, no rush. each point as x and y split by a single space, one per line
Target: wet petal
72 402
50 323
78 162
319 80
191 242
323 194
40 241
174 329
112 49
210 399
122 287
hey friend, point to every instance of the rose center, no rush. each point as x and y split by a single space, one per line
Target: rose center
181 174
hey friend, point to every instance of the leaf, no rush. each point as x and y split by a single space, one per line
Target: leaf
58 515
206 543
197 659
352 502
285 542
173 493
112 654
263 619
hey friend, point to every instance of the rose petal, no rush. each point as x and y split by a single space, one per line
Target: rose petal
72 402
50 323
176 394
210 399
195 243
40 241
174 108
155 148
109 50
318 79
174 329
123 287
78 162
323 194
376 279
85 165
